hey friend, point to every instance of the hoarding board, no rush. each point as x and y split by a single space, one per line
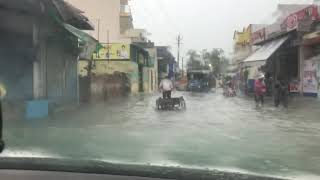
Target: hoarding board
117 51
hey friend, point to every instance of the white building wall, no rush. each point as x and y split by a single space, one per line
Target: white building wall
105 11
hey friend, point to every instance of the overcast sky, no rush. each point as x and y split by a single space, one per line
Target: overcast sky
204 24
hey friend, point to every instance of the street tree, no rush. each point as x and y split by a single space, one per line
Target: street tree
214 60
216 57
193 60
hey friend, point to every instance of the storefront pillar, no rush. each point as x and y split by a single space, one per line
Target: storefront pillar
300 67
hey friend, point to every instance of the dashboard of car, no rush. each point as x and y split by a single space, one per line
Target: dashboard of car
71 169
51 175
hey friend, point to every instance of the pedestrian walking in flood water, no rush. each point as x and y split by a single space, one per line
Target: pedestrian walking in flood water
259 90
281 93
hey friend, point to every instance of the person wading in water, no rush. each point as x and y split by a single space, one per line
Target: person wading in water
259 90
281 93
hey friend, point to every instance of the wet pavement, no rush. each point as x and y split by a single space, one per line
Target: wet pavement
214 132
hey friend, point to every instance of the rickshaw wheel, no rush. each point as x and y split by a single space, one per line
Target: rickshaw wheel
158 104
183 103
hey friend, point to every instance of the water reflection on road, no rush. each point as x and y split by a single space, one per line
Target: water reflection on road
214 132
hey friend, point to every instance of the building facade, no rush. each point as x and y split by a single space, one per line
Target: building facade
243 47
166 63
111 19
39 52
105 16
288 53
114 27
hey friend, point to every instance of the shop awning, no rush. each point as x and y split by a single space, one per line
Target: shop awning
311 35
314 58
89 42
79 33
311 38
259 57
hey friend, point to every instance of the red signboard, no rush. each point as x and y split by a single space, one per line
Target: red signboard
308 13
294 87
258 36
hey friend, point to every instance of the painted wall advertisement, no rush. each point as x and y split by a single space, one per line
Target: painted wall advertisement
310 82
117 51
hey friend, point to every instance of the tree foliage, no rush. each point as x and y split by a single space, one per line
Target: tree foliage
193 61
203 60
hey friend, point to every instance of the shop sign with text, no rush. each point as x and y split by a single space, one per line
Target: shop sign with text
310 82
258 36
309 13
294 86
115 51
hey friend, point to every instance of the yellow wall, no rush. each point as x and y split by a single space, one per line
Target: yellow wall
113 51
82 71
243 37
150 74
109 67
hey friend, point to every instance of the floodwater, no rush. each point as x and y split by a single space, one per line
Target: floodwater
214 132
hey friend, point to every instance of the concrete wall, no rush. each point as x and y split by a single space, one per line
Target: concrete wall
149 80
153 70
101 68
146 79
108 11
128 67
125 24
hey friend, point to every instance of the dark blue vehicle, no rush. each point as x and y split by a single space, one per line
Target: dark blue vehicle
200 81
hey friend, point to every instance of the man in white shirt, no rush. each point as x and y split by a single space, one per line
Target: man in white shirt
166 86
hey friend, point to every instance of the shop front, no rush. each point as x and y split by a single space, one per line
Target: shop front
275 59
311 81
302 23
287 53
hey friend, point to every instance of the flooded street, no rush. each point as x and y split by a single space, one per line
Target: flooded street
214 132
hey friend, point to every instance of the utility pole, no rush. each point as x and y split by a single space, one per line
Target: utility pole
108 44
98 30
179 40
182 67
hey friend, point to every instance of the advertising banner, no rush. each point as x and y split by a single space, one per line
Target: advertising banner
258 36
310 82
294 86
116 51
308 13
